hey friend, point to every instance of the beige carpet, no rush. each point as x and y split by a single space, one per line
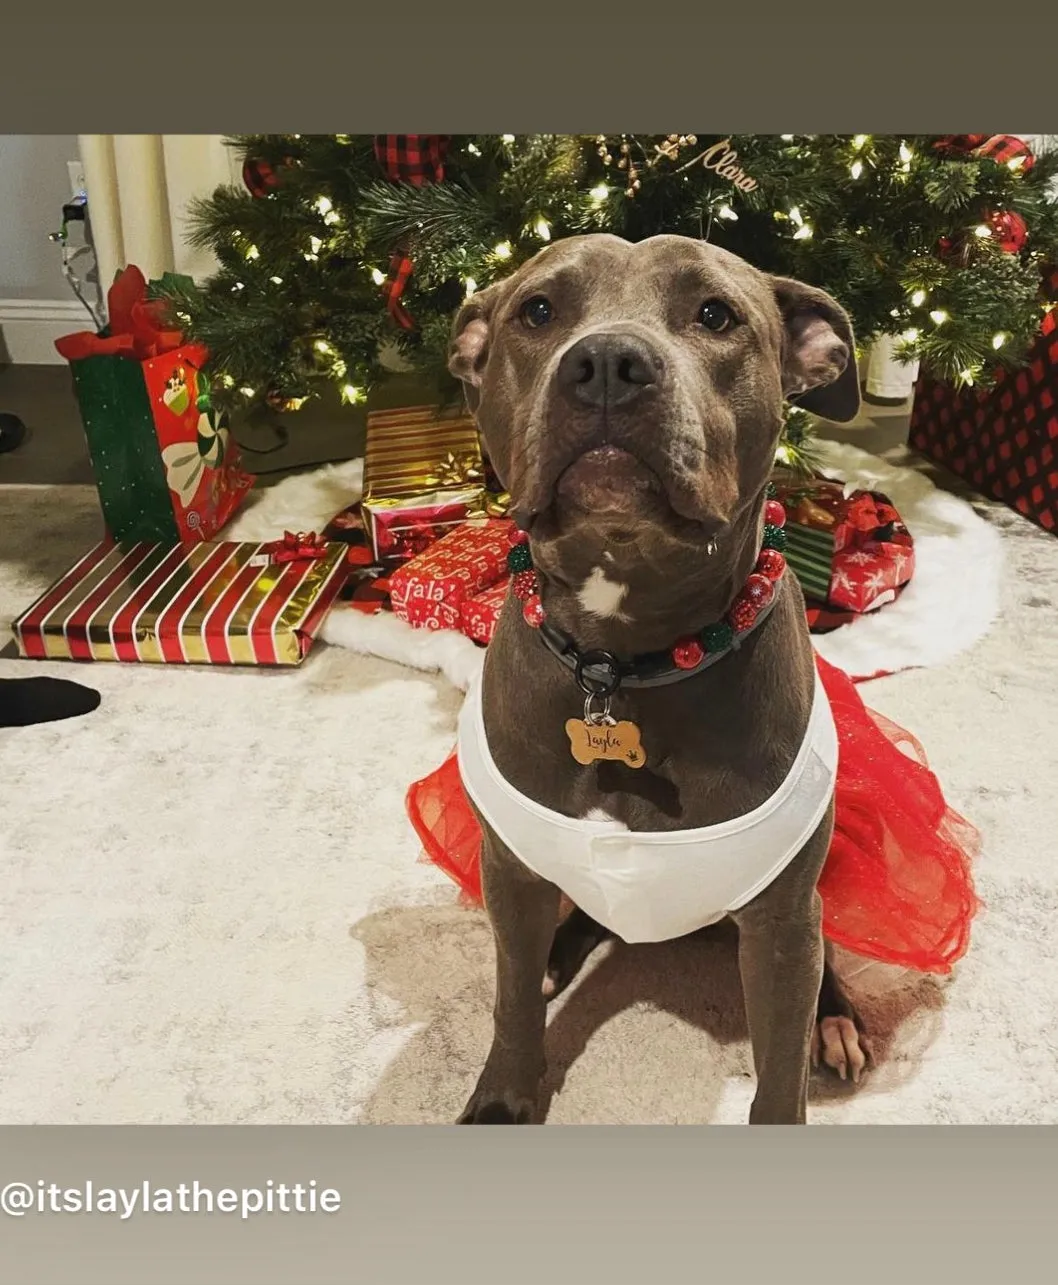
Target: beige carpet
212 910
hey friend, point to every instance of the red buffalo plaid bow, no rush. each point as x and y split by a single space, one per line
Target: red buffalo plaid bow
297 547
959 142
1001 148
416 159
1004 148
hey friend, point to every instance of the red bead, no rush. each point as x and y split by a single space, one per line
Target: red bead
774 513
515 535
533 611
523 584
688 654
758 590
771 563
742 614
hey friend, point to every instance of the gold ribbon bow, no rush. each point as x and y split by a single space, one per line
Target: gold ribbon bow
456 470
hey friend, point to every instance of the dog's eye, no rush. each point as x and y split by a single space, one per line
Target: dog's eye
536 312
715 315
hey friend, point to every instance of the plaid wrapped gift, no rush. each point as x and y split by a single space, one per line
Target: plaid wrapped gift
206 604
480 615
423 476
1003 440
430 590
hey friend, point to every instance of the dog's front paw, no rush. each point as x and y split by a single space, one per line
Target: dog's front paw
488 1106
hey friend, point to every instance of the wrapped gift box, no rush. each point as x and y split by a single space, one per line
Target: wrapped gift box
209 604
1002 440
423 477
868 577
430 590
814 511
849 550
481 613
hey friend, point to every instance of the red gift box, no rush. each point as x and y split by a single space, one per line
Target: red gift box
481 614
429 591
870 575
1003 440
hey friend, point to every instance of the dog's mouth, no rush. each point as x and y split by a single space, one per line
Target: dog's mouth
610 480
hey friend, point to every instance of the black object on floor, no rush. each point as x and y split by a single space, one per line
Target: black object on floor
12 432
25 701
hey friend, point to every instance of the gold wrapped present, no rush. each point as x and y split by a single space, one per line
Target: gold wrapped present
423 476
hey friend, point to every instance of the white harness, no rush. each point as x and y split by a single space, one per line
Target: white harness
659 884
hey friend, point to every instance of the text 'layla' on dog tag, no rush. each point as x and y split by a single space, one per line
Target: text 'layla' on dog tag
589 741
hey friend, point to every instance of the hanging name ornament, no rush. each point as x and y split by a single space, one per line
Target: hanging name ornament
634 158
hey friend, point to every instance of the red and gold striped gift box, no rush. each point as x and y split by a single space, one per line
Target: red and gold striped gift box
203 604
423 476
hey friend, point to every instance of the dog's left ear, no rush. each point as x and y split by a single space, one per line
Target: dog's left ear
819 352
468 349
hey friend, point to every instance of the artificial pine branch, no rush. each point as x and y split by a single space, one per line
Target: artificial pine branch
300 264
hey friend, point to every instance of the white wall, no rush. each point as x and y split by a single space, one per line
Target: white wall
34 185
36 304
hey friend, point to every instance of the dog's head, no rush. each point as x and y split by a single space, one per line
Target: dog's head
634 392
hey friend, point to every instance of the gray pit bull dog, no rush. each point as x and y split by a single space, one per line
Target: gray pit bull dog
631 399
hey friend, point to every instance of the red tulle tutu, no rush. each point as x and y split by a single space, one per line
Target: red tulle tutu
896 885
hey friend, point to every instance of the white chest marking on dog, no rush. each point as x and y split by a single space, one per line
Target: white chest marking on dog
600 814
602 597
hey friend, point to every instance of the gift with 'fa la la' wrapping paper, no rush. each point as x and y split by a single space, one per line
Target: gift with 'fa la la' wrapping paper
479 615
223 603
430 590
165 463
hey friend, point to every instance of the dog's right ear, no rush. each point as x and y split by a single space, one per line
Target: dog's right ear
468 350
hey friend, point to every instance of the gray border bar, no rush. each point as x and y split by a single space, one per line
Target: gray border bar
496 1207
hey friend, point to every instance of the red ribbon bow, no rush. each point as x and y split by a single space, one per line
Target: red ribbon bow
302 546
416 159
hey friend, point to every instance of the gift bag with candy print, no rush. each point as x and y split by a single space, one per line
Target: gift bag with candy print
165 463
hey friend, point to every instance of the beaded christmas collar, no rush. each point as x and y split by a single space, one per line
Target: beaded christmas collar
601 673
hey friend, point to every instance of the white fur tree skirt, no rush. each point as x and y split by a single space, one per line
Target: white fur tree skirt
213 910
947 607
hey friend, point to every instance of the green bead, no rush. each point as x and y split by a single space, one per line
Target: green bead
519 558
774 537
718 637
772 491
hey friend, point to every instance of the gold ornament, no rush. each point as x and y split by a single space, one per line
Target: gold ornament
282 403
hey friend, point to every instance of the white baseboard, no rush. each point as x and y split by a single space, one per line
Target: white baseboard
30 327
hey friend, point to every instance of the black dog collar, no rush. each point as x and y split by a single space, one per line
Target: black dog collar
601 673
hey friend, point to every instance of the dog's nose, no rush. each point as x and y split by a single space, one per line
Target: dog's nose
607 369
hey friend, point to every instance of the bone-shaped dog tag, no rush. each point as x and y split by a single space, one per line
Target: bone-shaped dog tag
605 740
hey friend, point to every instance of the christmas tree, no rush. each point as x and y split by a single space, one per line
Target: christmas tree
346 248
